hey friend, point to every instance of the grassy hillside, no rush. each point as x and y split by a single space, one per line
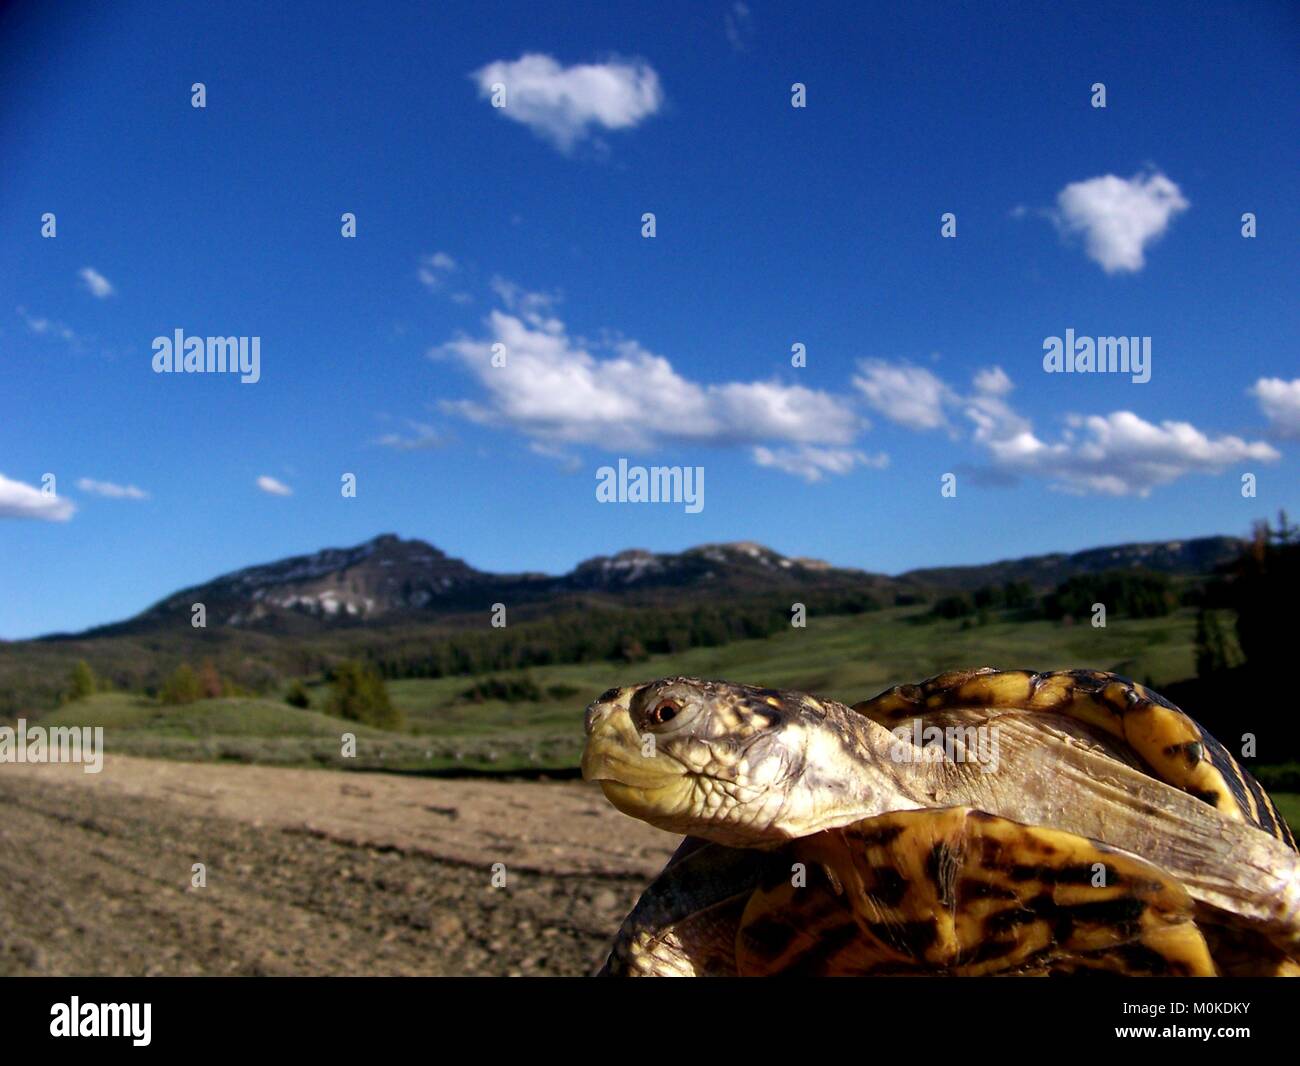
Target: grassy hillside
844 657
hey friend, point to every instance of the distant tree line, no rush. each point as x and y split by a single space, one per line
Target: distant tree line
600 635
1125 594
1260 588
1010 595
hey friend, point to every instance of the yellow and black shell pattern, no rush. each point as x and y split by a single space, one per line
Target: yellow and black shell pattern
1169 742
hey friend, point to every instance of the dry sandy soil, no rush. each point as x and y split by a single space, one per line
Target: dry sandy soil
308 872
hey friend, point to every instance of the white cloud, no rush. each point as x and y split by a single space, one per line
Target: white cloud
812 463
1280 402
1118 218
560 391
44 327
435 269
993 381
558 453
739 26
273 487
909 395
110 490
1119 454
98 285
992 415
421 437
555 391
18 500
533 307
563 104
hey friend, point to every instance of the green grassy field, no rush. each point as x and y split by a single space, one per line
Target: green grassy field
846 657
1289 804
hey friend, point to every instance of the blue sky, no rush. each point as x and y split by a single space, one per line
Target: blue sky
522 225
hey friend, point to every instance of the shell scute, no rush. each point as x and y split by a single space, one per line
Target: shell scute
1169 742
963 892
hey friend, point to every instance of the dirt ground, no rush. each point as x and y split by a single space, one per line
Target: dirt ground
309 872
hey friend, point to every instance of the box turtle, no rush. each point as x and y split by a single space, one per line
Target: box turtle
981 822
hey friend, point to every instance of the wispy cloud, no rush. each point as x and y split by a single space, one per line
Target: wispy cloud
18 500
420 437
1280 402
273 487
95 282
435 269
111 490
1119 217
533 307
45 327
739 26
812 463
563 105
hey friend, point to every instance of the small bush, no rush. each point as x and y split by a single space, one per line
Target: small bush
297 696
82 683
1018 594
359 695
181 687
210 683
953 607
633 651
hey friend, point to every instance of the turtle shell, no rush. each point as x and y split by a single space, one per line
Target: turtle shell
973 881
1168 742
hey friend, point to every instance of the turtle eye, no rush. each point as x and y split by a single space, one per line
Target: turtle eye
664 711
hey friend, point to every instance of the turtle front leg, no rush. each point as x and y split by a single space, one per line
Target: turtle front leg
684 924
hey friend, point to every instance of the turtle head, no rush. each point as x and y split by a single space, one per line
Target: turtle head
735 764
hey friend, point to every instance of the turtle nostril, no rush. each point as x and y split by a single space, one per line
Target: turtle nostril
596 714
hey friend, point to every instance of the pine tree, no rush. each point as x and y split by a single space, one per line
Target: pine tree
181 687
1211 644
360 696
82 682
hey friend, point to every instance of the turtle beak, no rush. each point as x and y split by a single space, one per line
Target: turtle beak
613 755
613 746
600 709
